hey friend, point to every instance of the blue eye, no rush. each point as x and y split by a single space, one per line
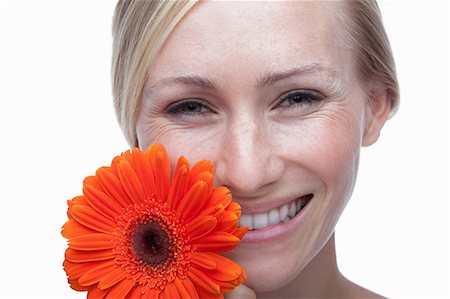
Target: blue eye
300 98
187 108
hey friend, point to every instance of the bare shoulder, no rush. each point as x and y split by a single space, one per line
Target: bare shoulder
363 293
352 290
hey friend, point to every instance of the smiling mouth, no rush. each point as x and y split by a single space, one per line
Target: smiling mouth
278 215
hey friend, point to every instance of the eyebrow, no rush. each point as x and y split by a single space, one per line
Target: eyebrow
265 80
271 78
194 80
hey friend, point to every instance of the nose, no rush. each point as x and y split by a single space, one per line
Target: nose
248 162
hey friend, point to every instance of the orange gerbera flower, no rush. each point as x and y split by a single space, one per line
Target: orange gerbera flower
135 234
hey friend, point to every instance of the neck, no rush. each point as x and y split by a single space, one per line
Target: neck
319 279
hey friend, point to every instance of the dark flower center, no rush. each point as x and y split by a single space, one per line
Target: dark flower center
151 244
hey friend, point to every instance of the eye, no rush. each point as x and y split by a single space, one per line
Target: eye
188 108
301 98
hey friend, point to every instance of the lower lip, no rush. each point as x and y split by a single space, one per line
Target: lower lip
278 231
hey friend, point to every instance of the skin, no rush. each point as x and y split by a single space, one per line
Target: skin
265 146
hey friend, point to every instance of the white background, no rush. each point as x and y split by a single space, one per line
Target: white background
58 126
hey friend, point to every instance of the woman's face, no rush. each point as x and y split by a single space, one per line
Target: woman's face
268 92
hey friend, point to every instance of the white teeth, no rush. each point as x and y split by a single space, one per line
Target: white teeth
283 212
260 220
246 220
274 217
292 210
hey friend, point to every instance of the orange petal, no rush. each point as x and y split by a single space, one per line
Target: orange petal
218 214
127 155
181 289
114 166
144 171
199 167
234 207
144 289
189 286
112 278
131 182
218 242
220 195
78 256
95 274
228 222
97 241
226 286
77 287
90 218
121 289
203 260
135 293
136 275
98 200
96 293
240 232
226 270
170 292
216 211
205 176
241 278
160 164
178 186
73 229
113 187
76 270
203 281
151 294
163 180
204 294
77 200
201 226
193 201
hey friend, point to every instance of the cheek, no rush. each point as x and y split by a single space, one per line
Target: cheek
330 152
328 146
194 143
335 155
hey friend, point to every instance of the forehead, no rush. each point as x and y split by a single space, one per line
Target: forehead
247 36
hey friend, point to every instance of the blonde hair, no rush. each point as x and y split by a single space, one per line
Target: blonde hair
139 31
366 34
140 28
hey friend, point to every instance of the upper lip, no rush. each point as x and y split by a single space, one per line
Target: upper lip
264 205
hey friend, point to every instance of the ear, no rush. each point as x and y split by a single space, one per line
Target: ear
377 111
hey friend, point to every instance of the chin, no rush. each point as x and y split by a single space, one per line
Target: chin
260 282
267 273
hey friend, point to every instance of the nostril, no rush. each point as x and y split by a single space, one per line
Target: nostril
246 171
